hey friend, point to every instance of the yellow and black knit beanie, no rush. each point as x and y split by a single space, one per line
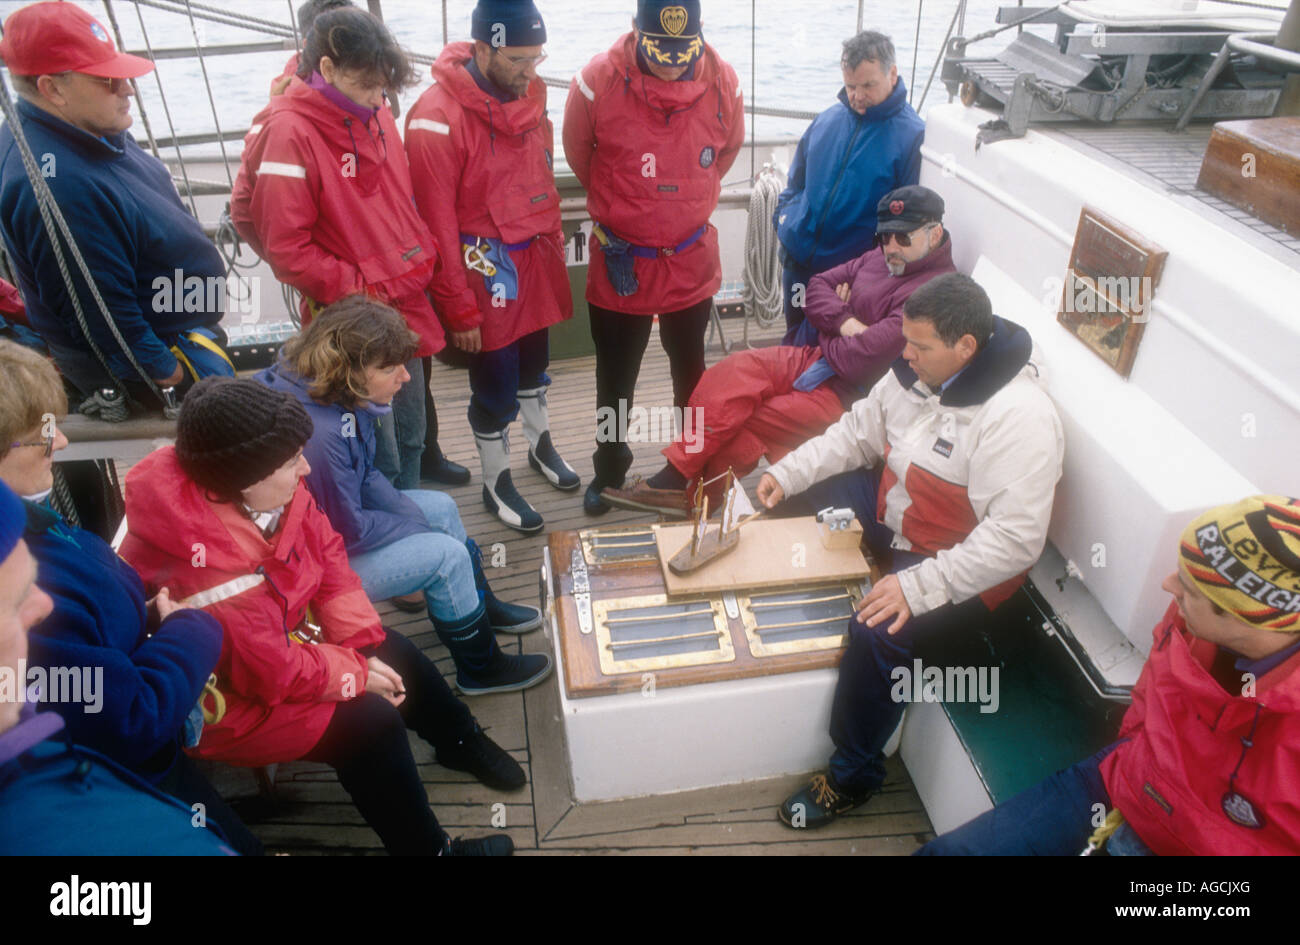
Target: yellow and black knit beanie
1246 559
234 432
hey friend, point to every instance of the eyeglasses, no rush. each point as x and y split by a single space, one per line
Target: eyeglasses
114 86
903 239
522 62
45 441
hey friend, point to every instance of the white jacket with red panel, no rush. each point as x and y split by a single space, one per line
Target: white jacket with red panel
969 474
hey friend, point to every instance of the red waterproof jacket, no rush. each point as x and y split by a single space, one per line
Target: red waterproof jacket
280 694
1187 735
652 155
481 167
325 198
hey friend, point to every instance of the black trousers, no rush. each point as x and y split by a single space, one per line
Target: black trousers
621 341
366 743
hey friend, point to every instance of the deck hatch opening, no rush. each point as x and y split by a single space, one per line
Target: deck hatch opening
798 621
636 634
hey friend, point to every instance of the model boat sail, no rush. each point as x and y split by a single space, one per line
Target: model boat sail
705 544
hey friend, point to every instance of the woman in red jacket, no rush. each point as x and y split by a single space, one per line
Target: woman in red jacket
306 670
324 195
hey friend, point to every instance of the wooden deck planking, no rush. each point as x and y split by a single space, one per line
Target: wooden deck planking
313 815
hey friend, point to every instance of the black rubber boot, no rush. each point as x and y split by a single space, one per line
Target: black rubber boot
481 666
503 617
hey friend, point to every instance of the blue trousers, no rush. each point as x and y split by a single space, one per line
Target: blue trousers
1053 818
497 377
864 712
793 274
399 437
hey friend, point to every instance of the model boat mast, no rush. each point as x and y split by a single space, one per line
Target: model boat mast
706 545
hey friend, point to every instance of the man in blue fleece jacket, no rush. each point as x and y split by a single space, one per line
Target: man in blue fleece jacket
57 798
862 147
159 275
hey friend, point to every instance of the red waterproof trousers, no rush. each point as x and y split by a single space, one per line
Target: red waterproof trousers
746 407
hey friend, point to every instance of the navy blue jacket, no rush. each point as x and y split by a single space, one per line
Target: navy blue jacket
150 684
132 229
844 164
361 504
60 799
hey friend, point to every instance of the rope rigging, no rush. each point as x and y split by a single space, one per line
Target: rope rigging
56 226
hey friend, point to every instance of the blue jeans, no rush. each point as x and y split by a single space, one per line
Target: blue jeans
435 562
399 437
1053 818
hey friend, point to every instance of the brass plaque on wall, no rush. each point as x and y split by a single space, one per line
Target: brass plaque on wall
1109 285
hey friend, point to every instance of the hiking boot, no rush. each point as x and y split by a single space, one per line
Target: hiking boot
671 503
818 803
485 759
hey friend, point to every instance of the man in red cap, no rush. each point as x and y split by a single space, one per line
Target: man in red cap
161 278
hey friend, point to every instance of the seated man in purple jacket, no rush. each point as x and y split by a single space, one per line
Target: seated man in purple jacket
768 401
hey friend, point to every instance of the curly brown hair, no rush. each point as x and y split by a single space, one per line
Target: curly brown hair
342 342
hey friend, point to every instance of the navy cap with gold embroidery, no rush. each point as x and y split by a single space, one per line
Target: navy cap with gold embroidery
670 31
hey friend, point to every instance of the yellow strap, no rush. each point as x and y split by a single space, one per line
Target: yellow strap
1099 836
180 356
204 341
218 711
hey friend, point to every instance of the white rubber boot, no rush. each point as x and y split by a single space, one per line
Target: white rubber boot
542 454
499 493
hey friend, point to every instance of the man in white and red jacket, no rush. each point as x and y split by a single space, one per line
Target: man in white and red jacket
650 129
481 149
971 450
1208 756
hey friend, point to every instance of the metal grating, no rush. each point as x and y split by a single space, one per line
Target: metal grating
799 621
632 545
638 634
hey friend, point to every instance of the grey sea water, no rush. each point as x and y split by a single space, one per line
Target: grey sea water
786 53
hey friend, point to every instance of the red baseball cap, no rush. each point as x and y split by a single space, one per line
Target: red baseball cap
48 38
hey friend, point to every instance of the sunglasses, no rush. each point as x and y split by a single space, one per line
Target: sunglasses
114 86
903 239
45 441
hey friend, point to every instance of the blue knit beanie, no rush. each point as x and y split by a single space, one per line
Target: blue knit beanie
508 23
13 519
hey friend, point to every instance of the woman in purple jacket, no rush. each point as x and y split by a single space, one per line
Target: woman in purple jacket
345 368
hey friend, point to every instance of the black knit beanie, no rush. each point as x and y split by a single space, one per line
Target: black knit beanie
233 432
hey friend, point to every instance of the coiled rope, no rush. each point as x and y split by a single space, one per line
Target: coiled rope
762 295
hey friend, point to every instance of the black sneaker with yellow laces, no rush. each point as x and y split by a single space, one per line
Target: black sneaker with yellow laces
818 803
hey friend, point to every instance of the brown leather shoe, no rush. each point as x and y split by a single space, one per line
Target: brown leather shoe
671 503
